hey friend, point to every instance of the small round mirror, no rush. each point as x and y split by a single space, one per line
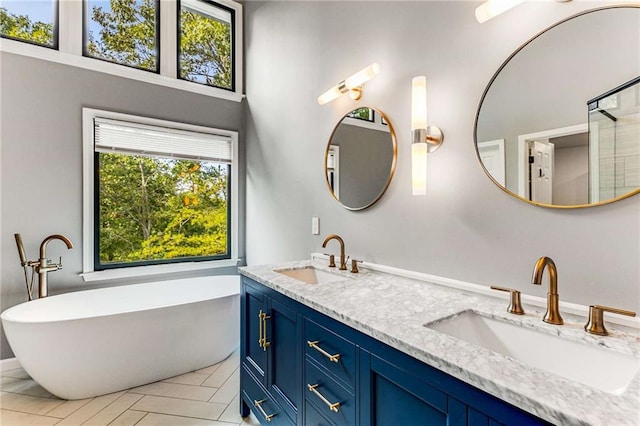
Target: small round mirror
360 158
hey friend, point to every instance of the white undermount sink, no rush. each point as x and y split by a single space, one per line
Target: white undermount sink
600 368
311 275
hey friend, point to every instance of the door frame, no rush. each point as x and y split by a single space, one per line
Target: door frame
523 152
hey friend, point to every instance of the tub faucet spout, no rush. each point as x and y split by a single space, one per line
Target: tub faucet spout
43 267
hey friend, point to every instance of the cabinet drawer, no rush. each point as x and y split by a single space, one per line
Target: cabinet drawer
325 344
262 405
332 392
312 416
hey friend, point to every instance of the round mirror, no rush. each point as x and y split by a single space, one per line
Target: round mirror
360 158
559 123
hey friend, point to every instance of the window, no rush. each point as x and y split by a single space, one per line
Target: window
159 192
123 31
205 48
364 113
35 22
189 45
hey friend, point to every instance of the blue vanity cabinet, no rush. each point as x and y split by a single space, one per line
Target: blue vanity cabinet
271 354
299 377
398 389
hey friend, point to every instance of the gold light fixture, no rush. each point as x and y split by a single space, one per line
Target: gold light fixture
353 84
492 8
425 138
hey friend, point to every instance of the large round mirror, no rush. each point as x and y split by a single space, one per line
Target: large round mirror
360 158
559 123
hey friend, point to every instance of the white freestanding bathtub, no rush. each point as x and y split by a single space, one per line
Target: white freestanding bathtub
87 343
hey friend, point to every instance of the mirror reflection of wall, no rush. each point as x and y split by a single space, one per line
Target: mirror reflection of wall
537 104
360 158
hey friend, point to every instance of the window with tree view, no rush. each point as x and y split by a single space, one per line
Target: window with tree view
123 31
205 48
161 195
31 21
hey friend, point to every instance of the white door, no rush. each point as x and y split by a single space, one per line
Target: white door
492 156
541 171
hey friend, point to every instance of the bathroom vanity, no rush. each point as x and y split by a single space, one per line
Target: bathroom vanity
327 347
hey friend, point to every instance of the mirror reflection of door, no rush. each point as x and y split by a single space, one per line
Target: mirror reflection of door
333 169
492 156
541 171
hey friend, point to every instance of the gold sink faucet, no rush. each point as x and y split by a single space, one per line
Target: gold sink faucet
343 260
552 316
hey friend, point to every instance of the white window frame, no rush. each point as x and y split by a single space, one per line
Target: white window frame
70 39
88 191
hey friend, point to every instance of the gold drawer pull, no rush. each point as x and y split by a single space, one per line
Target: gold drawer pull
314 345
262 341
266 416
333 407
260 328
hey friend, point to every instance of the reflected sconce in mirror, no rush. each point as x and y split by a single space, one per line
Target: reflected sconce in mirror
425 138
353 84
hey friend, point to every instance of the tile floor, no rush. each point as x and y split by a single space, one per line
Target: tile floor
207 397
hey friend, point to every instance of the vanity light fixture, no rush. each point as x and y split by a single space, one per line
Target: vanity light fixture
425 138
491 8
353 84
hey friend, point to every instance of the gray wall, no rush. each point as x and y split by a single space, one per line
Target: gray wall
366 156
571 180
465 227
41 157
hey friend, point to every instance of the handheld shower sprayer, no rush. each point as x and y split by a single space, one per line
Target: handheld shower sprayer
24 263
23 257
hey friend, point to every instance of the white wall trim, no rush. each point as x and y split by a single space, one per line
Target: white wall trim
9 364
571 308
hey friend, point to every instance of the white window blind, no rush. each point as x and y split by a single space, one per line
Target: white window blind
135 138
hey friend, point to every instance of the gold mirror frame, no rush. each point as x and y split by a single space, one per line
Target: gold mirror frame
391 170
504 64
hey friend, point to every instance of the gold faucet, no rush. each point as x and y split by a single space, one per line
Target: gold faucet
42 266
343 261
552 316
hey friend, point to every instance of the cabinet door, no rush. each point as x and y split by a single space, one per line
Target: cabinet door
253 303
390 395
284 337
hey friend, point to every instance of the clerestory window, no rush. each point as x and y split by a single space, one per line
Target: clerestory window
34 22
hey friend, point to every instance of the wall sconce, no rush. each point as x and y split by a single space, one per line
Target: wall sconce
492 8
354 85
425 139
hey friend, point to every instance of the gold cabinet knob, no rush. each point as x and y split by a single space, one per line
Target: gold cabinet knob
515 305
595 325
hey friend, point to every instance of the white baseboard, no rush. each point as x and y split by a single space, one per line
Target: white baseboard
9 364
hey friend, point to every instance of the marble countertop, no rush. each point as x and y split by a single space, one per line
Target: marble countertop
394 309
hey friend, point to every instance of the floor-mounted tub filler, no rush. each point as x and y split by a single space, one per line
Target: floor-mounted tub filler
88 343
